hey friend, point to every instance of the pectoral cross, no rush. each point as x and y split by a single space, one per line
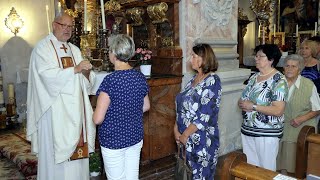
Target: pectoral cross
64 48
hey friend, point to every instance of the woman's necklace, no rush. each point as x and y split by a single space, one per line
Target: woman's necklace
267 73
198 79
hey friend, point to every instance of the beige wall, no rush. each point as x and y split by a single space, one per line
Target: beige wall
33 13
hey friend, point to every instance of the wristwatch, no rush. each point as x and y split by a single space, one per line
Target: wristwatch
254 107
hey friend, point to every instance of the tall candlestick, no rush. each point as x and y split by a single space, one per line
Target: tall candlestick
85 15
47 11
102 14
10 90
315 28
59 7
259 31
297 30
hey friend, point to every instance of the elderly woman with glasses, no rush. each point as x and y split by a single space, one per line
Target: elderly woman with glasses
262 103
302 108
122 100
197 107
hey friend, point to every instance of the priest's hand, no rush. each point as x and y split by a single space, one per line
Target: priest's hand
82 67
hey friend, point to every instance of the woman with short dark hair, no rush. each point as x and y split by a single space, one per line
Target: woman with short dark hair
262 103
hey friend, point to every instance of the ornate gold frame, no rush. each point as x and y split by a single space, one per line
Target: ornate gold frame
278 38
302 35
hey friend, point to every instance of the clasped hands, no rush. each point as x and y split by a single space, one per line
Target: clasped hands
83 66
181 138
295 123
245 105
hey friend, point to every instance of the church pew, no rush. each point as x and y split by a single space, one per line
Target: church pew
302 151
313 154
235 166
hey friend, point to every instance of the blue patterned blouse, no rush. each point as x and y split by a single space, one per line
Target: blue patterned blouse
123 125
199 105
313 74
264 93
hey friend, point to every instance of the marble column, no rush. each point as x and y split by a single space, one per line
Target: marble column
215 22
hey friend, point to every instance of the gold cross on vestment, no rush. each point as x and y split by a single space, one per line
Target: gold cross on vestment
64 48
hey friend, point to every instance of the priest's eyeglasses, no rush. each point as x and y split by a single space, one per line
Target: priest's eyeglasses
64 26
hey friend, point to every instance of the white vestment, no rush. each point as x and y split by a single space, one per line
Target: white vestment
58 107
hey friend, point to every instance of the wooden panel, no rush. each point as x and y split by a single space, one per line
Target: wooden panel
159 120
162 118
226 163
251 172
302 151
313 154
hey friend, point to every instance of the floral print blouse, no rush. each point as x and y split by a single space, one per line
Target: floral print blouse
199 105
264 93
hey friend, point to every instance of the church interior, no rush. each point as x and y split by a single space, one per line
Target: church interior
169 28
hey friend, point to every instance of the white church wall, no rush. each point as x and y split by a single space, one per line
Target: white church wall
15 50
249 39
215 23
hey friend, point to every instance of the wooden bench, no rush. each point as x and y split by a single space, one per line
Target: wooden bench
308 153
235 166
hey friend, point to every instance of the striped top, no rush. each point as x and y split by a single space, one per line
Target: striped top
264 93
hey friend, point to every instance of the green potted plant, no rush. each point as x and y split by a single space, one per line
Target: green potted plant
94 164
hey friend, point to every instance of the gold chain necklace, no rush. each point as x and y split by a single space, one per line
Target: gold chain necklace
266 74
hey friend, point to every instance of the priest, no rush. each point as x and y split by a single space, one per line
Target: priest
59 122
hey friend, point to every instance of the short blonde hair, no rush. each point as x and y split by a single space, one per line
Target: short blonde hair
312 45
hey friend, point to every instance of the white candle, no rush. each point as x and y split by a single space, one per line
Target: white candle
128 29
274 30
10 90
259 31
47 11
59 7
315 28
1 97
263 36
85 15
297 30
102 14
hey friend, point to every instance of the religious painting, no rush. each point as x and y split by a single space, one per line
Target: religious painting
303 35
66 62
278 38
303 13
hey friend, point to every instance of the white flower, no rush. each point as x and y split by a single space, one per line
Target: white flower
204 117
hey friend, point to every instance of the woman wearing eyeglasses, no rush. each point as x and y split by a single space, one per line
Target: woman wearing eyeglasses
262 103
197 108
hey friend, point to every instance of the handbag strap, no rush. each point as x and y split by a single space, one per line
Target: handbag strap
183 152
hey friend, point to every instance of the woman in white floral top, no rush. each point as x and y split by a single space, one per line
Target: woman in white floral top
262 104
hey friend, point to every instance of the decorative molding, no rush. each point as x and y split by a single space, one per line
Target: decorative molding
217 42
136 15
157 12
218 12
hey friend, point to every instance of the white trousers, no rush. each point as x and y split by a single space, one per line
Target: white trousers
261 151
122 164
